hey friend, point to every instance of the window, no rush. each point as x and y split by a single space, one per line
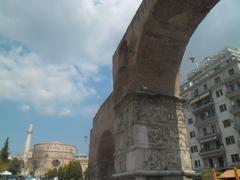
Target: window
195 93
194 149
55 163
238 102
222 107
203 116
230 87
206 146
219 93
220 161
218 144
214 129
205 87
238 84
235 158
192 134
197 164
217 80
217 67
205 132
230 140
226 123
231 72
207 114
190 121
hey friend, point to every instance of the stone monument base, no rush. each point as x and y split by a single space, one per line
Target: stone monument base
155 175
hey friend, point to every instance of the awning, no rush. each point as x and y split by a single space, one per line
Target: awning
229 174
5 173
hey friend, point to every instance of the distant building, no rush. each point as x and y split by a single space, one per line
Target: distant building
51 155
83 159
212 111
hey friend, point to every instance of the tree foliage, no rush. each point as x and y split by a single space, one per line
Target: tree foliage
15 166
4 152
52 173
85 173
72 171
4 162
62 172
207 174
3 166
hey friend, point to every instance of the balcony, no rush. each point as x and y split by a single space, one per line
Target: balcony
236 126
208 137
232 94
232 78
235 109
202 107
199 122
212 151
199 96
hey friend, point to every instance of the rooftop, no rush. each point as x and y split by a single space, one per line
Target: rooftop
210 65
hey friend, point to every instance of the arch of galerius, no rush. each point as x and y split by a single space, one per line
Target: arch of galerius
143 116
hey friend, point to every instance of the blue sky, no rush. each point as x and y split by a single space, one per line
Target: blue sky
55 62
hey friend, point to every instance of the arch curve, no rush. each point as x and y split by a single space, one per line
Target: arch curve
162 29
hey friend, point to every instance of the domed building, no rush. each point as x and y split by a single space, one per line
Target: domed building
51 155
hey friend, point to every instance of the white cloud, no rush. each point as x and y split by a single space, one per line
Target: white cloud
24 107
81 31
89 111
65 43
69 40
52 89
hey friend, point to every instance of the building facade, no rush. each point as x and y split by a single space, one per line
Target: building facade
51 155
83 160
212 111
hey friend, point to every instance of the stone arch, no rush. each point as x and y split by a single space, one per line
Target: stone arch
105 156
162 29
145 78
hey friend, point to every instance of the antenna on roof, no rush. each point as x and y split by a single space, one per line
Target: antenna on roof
193 60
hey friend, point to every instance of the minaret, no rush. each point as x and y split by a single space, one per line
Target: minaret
27 143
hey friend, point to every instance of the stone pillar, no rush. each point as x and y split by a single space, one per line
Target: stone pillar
150 139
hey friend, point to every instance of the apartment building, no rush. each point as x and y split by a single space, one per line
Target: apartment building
212 111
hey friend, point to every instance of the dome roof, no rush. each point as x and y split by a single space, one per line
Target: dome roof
56 142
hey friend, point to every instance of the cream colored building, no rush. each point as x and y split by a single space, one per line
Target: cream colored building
51 155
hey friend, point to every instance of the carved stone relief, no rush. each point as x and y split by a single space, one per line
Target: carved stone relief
120 162
160 160
158 110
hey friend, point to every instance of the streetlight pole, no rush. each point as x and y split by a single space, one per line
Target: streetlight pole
193 60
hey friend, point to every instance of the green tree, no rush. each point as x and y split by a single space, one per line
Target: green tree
74 171
85 173
62 173
15 166
3 166
207 174
4 152
52 173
